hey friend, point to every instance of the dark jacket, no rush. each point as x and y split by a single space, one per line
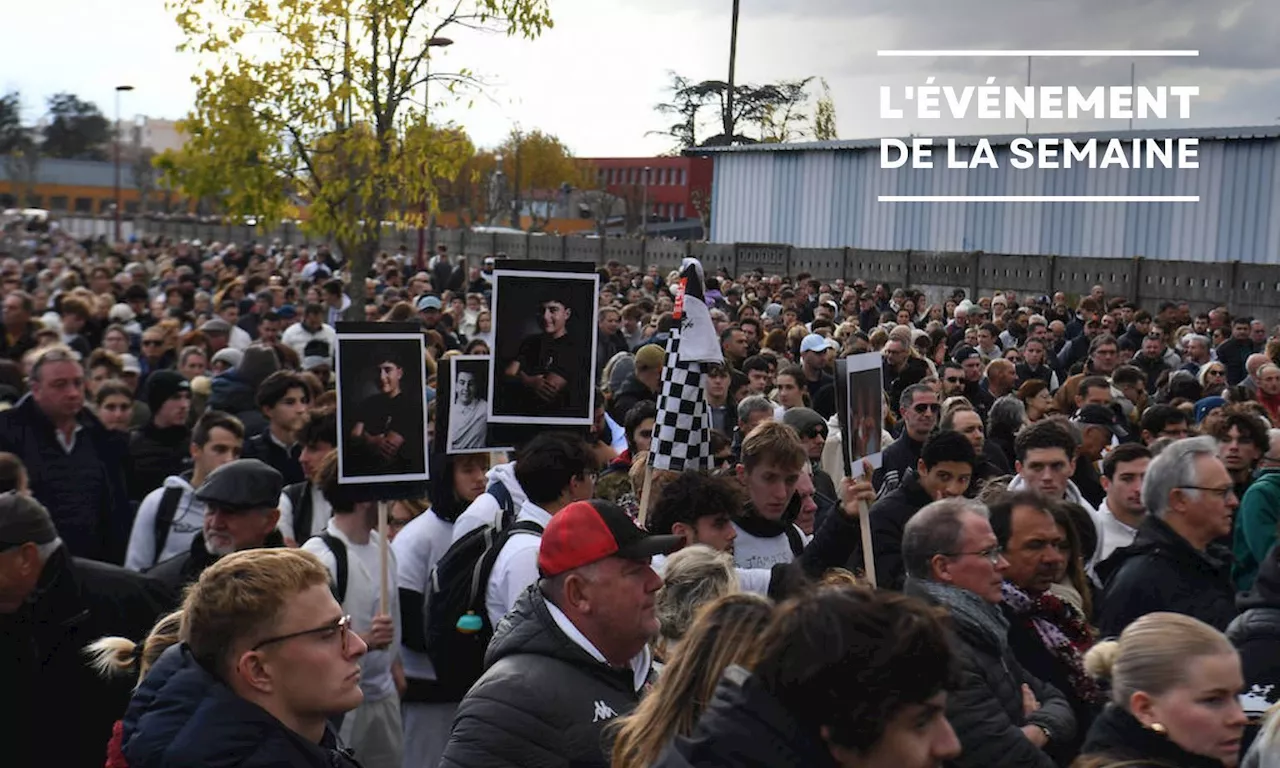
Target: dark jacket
628 395
744 726
899 456
269 452
1256 635
542 701
1118 739
155 454
84 490
231 394
985 709
20 346
889 516
180 570
1161 571
183 716
60 711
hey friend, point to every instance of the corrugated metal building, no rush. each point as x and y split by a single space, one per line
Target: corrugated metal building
824 195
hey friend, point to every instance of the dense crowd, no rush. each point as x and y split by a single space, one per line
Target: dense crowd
1073 524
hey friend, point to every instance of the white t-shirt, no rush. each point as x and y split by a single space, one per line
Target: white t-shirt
364 585
750 551
418 548
516 566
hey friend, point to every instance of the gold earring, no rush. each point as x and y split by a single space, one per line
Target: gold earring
1158 728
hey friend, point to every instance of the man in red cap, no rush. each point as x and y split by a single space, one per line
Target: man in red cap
573 653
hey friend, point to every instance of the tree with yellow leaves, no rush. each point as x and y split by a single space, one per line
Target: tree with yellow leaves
315 108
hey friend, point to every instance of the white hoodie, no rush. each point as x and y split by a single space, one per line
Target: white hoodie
188 521
485 510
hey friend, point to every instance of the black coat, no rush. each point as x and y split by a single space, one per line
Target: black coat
178 571
183 716
632 392
542 702
84 491
900 456
985 709
269 452
155 454
1256 635
60 710
744 726
889 516
1118 739
1161 571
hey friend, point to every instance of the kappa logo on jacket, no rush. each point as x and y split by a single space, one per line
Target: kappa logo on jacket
603 712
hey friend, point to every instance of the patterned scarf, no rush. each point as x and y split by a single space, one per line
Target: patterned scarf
1062 630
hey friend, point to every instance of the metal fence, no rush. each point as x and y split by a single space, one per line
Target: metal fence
1252 289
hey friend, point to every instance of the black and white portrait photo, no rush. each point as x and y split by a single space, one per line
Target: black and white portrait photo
468 403
545 346
382 422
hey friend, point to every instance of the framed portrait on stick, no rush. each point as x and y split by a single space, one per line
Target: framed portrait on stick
860 403
462 405
382 415
544 356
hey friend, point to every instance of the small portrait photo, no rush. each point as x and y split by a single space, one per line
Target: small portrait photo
544 330
468 403
865 416
382 419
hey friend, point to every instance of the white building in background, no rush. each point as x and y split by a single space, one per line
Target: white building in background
155 134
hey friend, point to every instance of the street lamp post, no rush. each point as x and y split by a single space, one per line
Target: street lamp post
116 153
644 207
435 42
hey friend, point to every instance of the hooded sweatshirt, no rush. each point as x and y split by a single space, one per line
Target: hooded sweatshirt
188 520
485 510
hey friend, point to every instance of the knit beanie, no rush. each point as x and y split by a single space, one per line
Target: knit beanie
163 385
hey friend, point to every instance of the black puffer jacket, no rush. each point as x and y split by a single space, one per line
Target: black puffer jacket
155 454
183 716
180 570
1161 571
889 517
542 702
985 709
746 727
60 711
232 394
1117 739
1256 635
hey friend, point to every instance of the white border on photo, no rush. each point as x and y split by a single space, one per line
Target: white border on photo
453 374
589 419
343 477
854 365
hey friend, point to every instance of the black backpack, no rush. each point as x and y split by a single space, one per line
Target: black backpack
339 551
299 495
165 513
457 589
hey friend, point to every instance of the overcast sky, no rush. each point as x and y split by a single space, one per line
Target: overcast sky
593 80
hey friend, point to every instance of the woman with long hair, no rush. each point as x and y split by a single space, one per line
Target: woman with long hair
1037 399
723 634
120 656
1175 685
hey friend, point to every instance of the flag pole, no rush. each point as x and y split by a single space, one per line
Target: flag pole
644 494
868 555
384 558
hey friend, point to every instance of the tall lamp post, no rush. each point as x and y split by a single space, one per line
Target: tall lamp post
435 42
116 152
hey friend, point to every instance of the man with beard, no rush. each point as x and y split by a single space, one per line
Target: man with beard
467 415
544 376
386 423
240 500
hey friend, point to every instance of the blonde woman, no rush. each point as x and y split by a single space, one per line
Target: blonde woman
722 635
1175 685
120 656
691 578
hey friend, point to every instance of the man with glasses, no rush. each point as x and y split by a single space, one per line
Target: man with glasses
1175 563
920 411
51 605
268 660
1003 715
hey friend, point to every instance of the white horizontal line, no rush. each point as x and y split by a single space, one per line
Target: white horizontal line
1038 198
954 53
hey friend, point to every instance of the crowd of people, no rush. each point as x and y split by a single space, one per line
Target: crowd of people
1073 524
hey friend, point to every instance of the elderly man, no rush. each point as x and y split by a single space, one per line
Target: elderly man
1003 715
1174 563
573 654
240 499
51 605
76 464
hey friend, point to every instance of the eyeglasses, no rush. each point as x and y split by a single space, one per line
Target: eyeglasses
1222 493
991 555
340 628
926 407
151 342
1215 372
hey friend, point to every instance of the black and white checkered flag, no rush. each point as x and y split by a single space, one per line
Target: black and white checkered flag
682 431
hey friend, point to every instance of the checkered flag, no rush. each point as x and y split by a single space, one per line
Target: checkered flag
682 431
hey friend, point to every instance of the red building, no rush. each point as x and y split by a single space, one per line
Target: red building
673 187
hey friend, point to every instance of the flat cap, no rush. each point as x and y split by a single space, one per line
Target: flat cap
242 484
24 520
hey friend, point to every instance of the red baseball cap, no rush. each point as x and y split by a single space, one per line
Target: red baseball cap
587 532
